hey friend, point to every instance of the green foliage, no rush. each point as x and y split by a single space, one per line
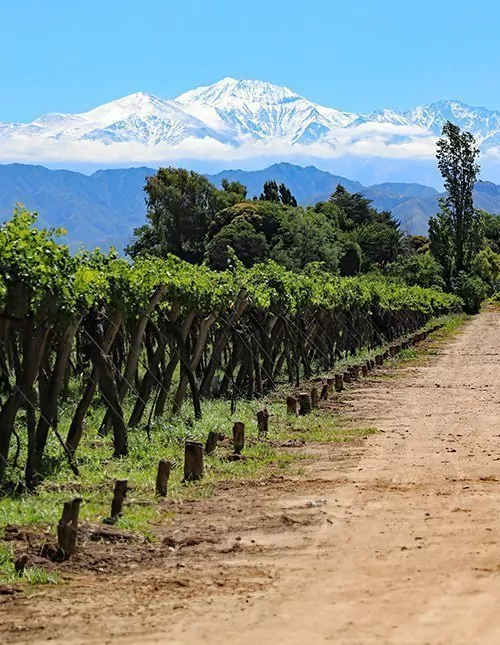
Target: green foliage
491 229
271 192
456 232
486 265
472 290
181 204
350 262
354 209
235 188
249 245
420 269
30 258
304 236
31 575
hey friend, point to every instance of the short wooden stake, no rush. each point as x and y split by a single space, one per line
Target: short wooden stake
347 377
67 528
379 360
238 437
263 423
211 443
372 363
119 495
330 383
314 397
364 369
325 391
339 382
355 371
305 405
291 405
164 468
193 461
392 351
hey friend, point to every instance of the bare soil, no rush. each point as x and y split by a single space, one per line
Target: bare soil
400 545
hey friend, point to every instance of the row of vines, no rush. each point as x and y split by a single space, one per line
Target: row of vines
158 333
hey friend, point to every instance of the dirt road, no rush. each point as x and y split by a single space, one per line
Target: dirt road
406 549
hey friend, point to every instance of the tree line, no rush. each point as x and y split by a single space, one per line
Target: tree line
192 219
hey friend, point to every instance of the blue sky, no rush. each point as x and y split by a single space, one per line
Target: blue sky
58 55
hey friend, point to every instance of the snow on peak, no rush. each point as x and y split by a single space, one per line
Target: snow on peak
235 111
139 104
230 91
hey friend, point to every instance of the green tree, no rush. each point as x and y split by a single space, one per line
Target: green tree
455 233
304 236
180 206
286 196
234 188
356 209
419 269
351 258
270 192
487 265
249 245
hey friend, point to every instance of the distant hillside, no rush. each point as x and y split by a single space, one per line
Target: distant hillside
309 185
103 209
97 210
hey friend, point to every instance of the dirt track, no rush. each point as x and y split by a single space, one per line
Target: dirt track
405 551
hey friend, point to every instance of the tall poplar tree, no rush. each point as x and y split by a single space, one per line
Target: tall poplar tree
455 232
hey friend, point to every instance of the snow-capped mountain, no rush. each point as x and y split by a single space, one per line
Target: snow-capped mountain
262 111
236 113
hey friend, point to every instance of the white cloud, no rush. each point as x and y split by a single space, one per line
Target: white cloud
368 140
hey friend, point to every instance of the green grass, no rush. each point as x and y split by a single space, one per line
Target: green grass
98 469
30 575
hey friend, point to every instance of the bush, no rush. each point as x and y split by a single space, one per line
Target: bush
472 290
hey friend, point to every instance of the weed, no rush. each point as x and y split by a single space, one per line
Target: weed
31 575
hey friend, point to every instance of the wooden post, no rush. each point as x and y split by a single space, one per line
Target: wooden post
291 405
330 383
372 363
355 371
379 360
325 391
339 382
347 377
305 405
164 468
67 528
238 437
119 495
385 355
211 443
364 369
263 423
314 397
193 461
369 365
392 351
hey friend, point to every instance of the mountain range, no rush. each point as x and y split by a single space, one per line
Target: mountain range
102 209
235 120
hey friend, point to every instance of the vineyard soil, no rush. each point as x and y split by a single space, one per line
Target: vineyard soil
399 545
